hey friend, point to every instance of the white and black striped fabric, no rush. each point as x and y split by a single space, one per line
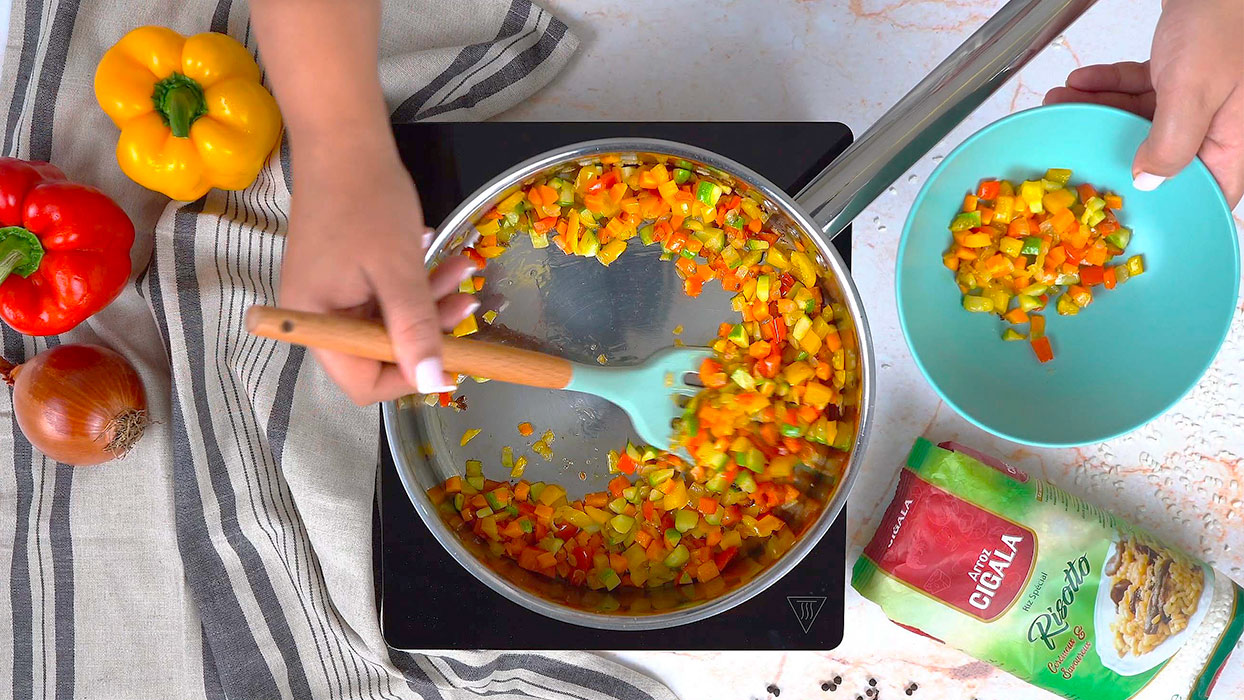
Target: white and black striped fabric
229 556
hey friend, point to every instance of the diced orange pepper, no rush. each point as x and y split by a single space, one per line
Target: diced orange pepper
1092 275
1036 326
1110 278
1041 346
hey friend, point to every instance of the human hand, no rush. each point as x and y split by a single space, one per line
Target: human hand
356 246
1192 88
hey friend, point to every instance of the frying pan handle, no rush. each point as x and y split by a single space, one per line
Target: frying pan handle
367 338
918 121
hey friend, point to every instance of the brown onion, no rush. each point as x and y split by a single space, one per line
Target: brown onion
78 404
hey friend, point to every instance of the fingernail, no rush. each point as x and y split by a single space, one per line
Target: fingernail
1147 182
430 377
427 239
470 309
468 271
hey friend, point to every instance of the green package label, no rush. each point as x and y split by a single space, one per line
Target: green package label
1037 582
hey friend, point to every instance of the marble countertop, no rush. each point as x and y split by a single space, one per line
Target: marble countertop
849 60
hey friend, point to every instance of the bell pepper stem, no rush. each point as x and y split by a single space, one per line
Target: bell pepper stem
11 255
180 101
180 104
20 252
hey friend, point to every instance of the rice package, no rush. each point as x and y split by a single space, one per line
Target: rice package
1056 591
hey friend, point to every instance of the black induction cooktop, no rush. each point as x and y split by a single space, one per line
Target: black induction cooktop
428 601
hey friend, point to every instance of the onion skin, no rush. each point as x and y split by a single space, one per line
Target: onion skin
78 404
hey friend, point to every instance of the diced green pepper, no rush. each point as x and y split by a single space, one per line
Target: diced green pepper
1032 246
589 244
681 175
618 505
656 477
763 283
492 501
842 440
791 430
752 258
476 482
738 336
1012 334
708 192
1067 307
717 483
1120 238
685 520
1060 175
1067 278
610 579
1027 303
526 525
744 379
646 234
622 523
965 220
801 328
819 431
672 536
745 481
474 467
677 557
978 304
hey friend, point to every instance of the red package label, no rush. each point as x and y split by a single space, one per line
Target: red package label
953 550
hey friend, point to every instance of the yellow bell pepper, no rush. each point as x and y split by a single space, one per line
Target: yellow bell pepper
192 112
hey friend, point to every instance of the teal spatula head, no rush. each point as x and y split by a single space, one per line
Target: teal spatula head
648 392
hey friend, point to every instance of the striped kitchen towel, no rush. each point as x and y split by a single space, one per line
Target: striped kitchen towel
229 556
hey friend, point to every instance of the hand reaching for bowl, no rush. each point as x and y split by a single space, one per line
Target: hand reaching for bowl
1192 88
356 231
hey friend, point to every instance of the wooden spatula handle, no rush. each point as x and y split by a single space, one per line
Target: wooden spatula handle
368 338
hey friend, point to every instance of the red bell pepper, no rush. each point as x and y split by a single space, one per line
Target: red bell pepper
64 249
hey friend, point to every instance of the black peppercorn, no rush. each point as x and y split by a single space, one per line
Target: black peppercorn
824 687
872 682
774 690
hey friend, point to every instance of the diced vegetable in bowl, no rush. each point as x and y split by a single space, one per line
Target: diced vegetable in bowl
1016 246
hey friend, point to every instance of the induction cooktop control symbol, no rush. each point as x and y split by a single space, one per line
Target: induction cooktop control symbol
806 608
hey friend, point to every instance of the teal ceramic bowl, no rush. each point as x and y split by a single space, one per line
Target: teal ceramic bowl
1130 355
